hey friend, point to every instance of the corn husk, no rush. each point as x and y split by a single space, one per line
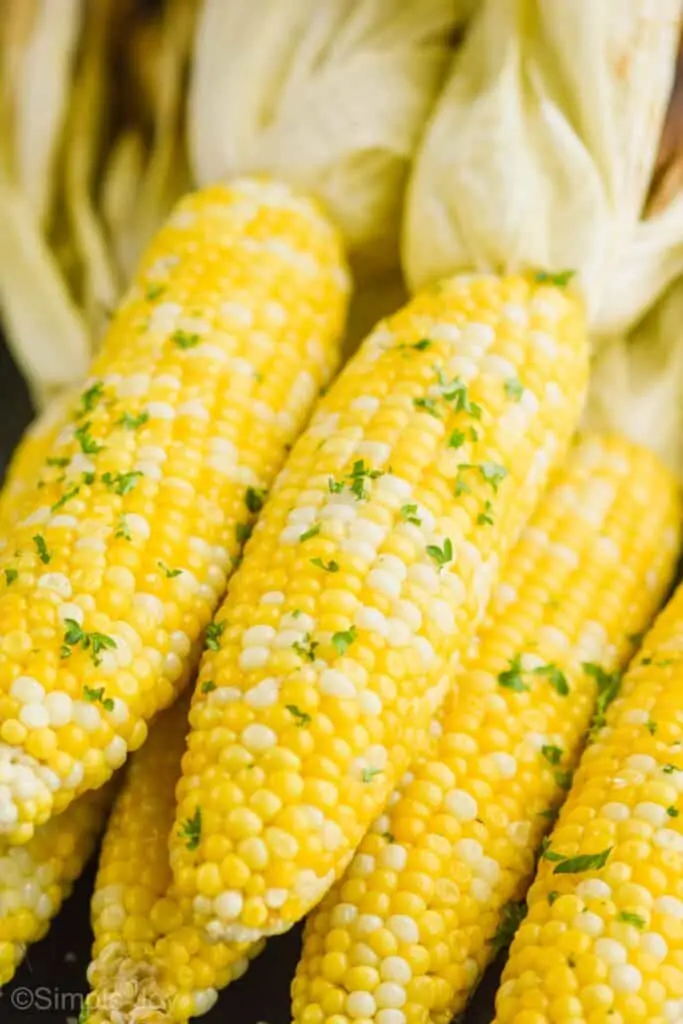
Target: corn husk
637 382
541 149
142 180
330 96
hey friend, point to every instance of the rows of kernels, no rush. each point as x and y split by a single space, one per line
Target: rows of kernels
459 839
146 950
35 879
28 459
626 964
206 375
342 626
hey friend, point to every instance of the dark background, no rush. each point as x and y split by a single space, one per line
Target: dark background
48 986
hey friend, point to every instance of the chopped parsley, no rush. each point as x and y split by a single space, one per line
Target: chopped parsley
389 836
191 830
512 677
170 574
122 531
672 811
91 397
330 566
514 388
552 754
183 339
76 636
214 632
121 483
306 647
493 473
550 814
456 393
96 696
552 896
89 446
208 687
60 463
427 405
368 774
608 684
254 498
512 915
635 919
651 726
409 515
423 344
342 641
441 555
313 531
560 278
154 291
243 532
11 575
359 476
457 439
67 496
41 546
576 865
669 769
555 677
301 718
130 422
486 517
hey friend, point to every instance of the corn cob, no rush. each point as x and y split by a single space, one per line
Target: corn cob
118 562
147 956
37 878
603 940
366 576
430 894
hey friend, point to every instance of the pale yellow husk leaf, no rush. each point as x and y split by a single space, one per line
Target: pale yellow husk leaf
330 96
541 148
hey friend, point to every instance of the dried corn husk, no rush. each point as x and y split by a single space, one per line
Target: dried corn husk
637 382
329 96
542 146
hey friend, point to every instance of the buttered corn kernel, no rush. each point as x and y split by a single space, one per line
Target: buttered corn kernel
120 557
369 570
605 920
432 892
147 954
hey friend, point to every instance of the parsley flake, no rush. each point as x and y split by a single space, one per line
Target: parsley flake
254 498
551 753
243 532
576 865
89 446
427 405
91 397
214 632
61 463
555 677
306 647
512 915
170 574
514 388
635 919
154 291
122 531
512 677
122 483
11 575
301 718
130 422
559 278
672 811
409 515
183 339
608 684
368 774
67 496
441 555
330 566
486 517
41 546
313 531
96 696
191 830
342 641
208 687
457 439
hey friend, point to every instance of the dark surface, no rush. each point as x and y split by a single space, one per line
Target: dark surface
49 986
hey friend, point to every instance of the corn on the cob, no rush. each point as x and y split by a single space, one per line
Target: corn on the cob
419 913
366 576
37 878
603 940
119 560
147 956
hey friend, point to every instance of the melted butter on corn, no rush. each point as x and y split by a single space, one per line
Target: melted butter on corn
121 553
431 894
365 579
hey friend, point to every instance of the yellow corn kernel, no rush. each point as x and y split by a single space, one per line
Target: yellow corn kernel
367 575
147 955
119 560
610 880
29 458
454 851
